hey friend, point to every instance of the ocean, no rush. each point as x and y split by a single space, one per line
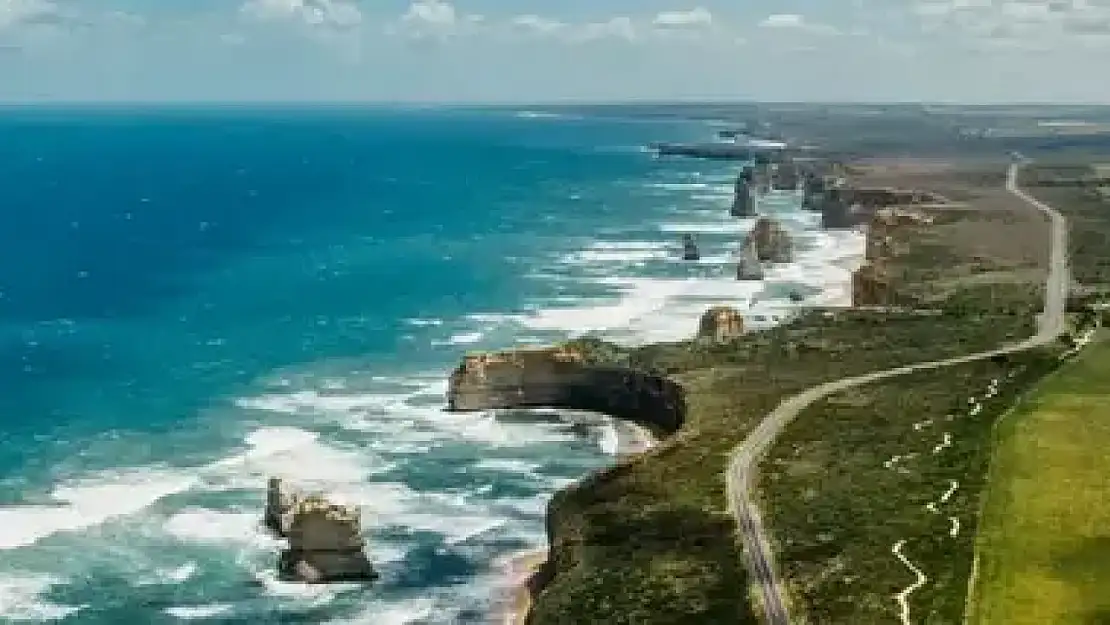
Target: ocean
195 299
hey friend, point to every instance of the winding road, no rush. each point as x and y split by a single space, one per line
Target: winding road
758 555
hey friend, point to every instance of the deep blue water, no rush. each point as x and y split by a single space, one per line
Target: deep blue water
194 299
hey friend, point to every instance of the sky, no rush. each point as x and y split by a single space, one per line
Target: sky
554 50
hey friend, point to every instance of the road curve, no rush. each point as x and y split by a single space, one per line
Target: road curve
758 556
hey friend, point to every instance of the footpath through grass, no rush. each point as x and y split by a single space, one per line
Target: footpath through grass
1044 546
900 461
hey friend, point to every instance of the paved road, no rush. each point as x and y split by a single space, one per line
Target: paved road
758 556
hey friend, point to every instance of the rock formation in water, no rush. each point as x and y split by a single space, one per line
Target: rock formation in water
785 176
770 241
579 375
721 324
743 202
325 539
813 190
748 266
690 248
836 212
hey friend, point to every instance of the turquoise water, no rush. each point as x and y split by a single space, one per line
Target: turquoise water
192 300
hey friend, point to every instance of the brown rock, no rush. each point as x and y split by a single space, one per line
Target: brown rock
721 324
872 285
770 241
325 539
565 377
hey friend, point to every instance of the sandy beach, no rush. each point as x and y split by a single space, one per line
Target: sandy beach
520 571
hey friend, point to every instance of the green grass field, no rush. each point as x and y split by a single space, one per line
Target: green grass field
1044 544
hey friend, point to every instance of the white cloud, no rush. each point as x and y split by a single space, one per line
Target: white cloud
697 18
616 28
539 24
796 22
1017 24
436 19
431 13
335 13
783 20
14 12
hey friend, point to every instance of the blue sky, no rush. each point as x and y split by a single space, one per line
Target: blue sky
528 50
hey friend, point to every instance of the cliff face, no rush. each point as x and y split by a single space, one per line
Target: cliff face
872 285
770 242
721 324
565 377
883 230
325 539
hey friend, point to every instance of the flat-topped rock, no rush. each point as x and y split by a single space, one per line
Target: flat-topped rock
579 375
325 538
721 324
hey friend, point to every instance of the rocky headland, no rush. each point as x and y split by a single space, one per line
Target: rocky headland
580 375
325 539
889 232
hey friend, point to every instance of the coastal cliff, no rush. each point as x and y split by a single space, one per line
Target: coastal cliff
846 207
873 286
578 375
885 226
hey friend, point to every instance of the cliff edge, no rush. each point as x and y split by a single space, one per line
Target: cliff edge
577 375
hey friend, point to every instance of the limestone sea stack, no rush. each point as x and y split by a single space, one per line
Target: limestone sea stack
743 202
690 248
836 213
721 324
770 241
325 539
748 266
578 376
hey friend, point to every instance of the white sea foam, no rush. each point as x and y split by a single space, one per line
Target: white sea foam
21 599
462 338
413 611
191 612
735 226
87 502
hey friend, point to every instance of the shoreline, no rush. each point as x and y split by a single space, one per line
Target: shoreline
521 571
